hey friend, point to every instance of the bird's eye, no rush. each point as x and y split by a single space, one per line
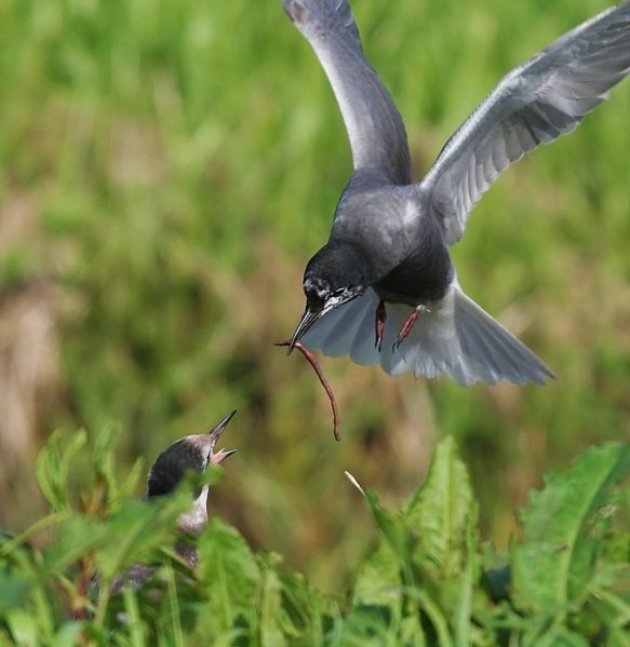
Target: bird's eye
315 301
324 291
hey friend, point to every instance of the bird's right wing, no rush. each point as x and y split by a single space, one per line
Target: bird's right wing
535 103
375 128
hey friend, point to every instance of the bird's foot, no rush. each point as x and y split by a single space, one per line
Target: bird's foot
379 324
409 324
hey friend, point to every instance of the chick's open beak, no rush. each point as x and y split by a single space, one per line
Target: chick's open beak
221 455
215 434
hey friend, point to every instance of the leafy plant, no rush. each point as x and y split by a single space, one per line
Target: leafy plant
427 579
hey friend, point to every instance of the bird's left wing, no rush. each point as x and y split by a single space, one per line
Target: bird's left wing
375 127
533 104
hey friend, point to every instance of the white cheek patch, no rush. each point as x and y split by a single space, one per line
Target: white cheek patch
322 291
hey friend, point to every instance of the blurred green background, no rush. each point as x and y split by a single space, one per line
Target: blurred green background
168 167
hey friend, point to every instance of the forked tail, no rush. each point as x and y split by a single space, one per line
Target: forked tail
490 352
456 337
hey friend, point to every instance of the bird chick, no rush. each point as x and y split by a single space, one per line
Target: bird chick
193 452
383 289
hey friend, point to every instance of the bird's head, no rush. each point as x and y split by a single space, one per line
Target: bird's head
337 274
193 452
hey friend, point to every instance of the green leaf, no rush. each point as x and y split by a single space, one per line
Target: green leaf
173 620
428 555
564 525
365 625
130 484
23 627
443 515
271 613
52 467
554 636
133 619
436 617
10 545
103 445
303 606
13 590
137 528
230 575
387 570
74 539
379 582
68 634
103 466
391 525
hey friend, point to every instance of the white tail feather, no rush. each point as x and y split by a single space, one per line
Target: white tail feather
455 337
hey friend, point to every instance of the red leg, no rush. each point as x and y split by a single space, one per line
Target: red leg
379 324
408 325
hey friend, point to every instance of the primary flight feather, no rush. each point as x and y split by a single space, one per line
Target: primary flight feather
383 289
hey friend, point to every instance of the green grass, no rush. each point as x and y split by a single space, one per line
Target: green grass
426 578
171 165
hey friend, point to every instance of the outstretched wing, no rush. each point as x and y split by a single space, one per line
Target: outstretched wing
375 127
538 101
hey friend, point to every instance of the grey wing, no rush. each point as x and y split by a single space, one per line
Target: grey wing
538 101
375 128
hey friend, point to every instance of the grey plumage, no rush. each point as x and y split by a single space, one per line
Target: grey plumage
388 249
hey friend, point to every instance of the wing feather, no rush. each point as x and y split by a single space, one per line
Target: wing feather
375 128
536 103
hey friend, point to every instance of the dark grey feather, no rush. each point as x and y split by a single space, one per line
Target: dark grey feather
390 238
375 128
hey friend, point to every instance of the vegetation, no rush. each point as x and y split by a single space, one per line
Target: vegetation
166 169
428 580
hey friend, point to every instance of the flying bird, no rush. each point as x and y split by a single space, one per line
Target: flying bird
383 289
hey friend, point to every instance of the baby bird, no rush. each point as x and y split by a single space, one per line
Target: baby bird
193 452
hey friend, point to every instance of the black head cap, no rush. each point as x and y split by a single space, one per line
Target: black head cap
337 274
340 267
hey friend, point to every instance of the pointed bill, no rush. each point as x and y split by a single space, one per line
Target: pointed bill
215 432
308 319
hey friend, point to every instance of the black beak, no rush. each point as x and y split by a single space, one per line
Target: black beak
215 434
308 319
